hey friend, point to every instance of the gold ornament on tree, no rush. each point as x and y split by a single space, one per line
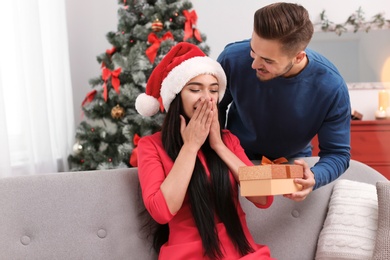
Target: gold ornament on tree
117 112
157 25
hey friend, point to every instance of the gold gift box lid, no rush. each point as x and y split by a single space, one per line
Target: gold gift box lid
272 171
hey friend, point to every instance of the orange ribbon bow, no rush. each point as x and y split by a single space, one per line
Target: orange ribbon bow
114 80
151 52
280 160
190 26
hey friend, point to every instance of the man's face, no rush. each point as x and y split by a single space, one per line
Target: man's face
268 59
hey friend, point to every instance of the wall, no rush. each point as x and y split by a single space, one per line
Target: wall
88 23
360 56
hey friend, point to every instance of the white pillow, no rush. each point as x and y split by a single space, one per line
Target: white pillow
382 244
350 226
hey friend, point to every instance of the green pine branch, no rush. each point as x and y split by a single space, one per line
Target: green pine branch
355 22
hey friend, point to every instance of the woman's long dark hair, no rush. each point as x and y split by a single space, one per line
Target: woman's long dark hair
207 196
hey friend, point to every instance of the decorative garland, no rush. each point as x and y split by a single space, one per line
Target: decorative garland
355 21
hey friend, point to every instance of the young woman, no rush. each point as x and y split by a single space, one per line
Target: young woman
189 171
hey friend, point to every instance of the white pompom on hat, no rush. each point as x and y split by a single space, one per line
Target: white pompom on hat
182 63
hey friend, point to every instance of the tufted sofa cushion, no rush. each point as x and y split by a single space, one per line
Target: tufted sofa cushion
291 229
77 215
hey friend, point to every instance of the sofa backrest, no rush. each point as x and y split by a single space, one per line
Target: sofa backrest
73 215
96 215
291 229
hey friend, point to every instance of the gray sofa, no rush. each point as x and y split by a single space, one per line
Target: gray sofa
96 215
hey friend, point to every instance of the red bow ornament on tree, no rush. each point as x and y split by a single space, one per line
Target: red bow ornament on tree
134 154
111 51
106 74
190 26
151 52
89 97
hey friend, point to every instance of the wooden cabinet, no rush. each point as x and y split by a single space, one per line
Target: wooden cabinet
370 144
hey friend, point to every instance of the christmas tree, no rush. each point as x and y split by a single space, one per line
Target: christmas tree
147 29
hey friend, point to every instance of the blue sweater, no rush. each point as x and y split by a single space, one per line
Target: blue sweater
280 117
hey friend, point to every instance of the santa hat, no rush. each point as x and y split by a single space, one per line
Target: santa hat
182 63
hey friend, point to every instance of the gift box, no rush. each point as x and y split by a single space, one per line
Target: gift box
272 179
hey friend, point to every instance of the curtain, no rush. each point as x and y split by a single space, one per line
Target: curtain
36 107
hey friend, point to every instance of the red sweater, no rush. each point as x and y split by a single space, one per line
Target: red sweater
184 241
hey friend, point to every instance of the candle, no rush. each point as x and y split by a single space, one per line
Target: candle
380 114
383 99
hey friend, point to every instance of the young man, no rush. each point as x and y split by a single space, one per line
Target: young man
282 94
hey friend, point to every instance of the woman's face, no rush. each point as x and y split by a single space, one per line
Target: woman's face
203 86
